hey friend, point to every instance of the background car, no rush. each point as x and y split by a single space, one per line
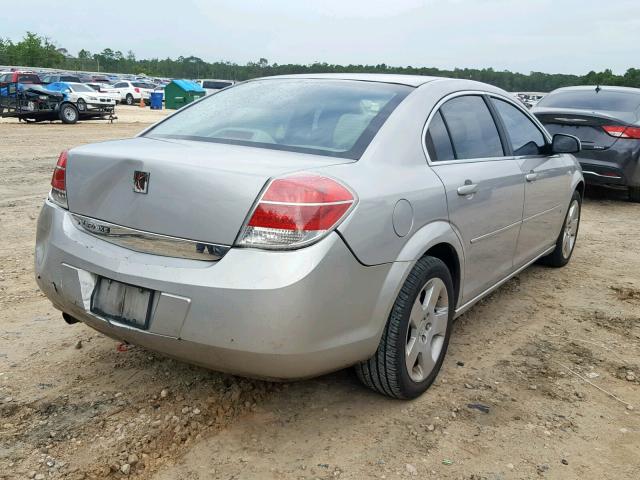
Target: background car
607 121
106 89
212 86
60 78
21 77
132 91
375 208
83 96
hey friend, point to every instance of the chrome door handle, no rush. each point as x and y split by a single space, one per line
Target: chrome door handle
467 189
531 176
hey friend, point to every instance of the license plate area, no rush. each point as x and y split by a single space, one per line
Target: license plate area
123 303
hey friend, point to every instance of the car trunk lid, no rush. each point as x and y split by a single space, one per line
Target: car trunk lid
587 126
196 190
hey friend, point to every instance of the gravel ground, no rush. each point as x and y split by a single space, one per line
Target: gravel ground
521 395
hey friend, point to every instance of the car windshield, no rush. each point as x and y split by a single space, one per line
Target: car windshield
329 117
78 87
591 100
143 85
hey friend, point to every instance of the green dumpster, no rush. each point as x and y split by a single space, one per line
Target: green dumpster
181 92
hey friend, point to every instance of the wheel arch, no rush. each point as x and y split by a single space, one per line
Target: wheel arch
448 255
438 239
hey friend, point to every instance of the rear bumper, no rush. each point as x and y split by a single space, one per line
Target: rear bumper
256 313
618 165
100 105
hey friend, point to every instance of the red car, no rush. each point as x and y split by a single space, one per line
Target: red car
20 77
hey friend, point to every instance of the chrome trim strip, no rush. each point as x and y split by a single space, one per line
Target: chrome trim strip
588 172
541 213
147 242
495 232
459 311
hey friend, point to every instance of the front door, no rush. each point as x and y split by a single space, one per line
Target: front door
547 179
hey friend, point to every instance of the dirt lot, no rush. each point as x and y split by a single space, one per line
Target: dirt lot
73 406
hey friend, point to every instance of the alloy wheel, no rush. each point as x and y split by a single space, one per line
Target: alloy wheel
571 229
427 329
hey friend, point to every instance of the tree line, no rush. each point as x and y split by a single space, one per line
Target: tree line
34 50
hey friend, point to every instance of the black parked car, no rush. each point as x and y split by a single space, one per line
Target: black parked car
607 121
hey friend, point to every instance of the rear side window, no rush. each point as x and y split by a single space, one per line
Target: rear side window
592 100
525 137
438 141
473 132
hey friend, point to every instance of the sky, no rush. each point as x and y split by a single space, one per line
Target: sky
553 36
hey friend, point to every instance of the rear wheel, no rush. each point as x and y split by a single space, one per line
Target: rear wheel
68 113
634 194
129 99
568 235
415 339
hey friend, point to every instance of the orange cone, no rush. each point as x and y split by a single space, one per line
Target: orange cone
142 105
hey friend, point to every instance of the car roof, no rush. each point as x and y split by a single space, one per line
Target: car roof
602 87
410 80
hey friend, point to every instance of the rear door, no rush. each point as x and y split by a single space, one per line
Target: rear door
547 180
484 188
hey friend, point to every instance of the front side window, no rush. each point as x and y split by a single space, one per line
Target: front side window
328 117
473 132
525 137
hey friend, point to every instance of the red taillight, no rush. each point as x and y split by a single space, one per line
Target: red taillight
58 181
296 211
620 131
137 90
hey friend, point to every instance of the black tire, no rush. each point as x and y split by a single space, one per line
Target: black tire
82 105
559 257
386 371
634 194
128 99
69 113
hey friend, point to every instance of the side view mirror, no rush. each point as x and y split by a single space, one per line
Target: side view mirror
565 144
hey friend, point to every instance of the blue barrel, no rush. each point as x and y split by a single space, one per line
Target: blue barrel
156 100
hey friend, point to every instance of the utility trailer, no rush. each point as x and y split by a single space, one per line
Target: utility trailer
34 103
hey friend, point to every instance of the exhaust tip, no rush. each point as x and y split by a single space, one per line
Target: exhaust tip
69 319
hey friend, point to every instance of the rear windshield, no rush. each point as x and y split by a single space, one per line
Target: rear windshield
28 78
143 85
213 84
328 117
81 88
592 100
69 78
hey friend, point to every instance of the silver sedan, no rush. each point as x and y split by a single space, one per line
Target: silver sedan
291 226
